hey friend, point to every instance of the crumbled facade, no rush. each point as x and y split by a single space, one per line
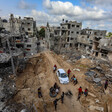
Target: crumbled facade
70 35
21 36
64 36
27 25
89 39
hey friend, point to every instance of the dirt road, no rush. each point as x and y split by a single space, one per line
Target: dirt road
72 104
39 73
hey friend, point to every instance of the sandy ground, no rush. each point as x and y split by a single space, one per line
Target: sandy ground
39 73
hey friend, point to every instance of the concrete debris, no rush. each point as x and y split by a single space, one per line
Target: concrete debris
78 57
63 57
0 79
76 69
97 101
90 73
6 71
83 56
111 70
91 94
24 110
92 108
69 94
101 109
96 80
69 61
4 57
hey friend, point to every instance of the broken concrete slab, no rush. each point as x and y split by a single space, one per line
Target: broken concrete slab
91 94
101 109
24 110
97 101
92 108
90 73
0 79
96 80
75 69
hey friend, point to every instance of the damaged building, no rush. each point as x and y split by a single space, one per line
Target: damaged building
22 33
64 36
28 26
70 36
89 38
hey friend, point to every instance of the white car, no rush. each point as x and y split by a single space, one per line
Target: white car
63 78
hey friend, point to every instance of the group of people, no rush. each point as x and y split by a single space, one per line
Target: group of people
56 100
80 92
75 81
54 90
57 88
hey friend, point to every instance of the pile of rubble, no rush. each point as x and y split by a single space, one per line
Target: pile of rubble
4 57
8 87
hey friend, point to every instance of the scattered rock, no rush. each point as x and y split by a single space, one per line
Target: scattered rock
101 109
76 69
91 94
97 101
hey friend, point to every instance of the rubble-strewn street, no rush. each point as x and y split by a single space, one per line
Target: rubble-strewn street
39 73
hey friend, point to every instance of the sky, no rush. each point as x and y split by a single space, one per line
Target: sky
95 14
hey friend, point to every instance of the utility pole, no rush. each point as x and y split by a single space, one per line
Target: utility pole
12 62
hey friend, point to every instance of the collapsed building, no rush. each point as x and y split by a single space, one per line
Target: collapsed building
22 32
18 42
70 36
64 36
88 40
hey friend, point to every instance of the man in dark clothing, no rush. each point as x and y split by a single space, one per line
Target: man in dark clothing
39 92
86 92
62 97
55 103
55 86
106 84
80 93
75 81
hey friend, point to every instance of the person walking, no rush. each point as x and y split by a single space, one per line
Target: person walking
106 84
54 68
39 92
86 92
62 97
72 78
75 81
69 71
55 103
79 93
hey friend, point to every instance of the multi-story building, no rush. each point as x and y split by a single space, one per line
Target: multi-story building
19 26
21 32
104 48
89 39
28 26
71 29
64 36
70 35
